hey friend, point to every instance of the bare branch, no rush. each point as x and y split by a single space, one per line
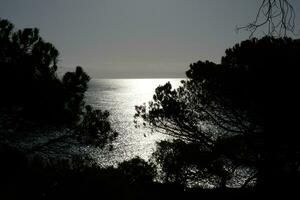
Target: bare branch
277 16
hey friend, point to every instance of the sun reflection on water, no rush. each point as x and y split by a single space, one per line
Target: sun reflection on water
119 97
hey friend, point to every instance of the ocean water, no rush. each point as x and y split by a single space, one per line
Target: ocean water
119 97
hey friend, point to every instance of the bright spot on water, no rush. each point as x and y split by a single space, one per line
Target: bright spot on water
119 97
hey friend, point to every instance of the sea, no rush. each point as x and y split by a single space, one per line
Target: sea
119 97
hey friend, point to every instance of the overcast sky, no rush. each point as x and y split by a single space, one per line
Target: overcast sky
135 38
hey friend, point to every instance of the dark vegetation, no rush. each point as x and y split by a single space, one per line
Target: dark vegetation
29 83
34 100
32 93
81 178
78 177
233 124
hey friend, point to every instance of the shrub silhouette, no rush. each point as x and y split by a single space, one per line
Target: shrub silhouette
28 78
31 90
137 171
95 128
237 112
74 177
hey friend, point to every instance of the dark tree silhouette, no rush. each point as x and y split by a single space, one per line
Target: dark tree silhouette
95 128
75 85
31 91
137 171
235 113
79 176
277 16
28 78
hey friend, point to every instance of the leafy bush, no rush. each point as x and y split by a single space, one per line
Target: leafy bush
33 92
28 78
236 112
95 128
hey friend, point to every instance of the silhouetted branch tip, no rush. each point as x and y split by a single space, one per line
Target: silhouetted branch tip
277 16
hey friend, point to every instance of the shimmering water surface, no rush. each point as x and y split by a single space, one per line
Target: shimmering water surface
119 97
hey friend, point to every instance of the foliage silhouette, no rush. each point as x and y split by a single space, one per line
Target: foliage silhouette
76 177
32 91
33 99
187 165
95 128
237 114
137 171
29 80
75 84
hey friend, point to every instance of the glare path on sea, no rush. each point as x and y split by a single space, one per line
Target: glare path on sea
119 97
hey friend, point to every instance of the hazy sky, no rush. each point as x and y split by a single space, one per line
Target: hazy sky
135 38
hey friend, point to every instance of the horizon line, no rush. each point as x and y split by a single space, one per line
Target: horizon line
139 78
